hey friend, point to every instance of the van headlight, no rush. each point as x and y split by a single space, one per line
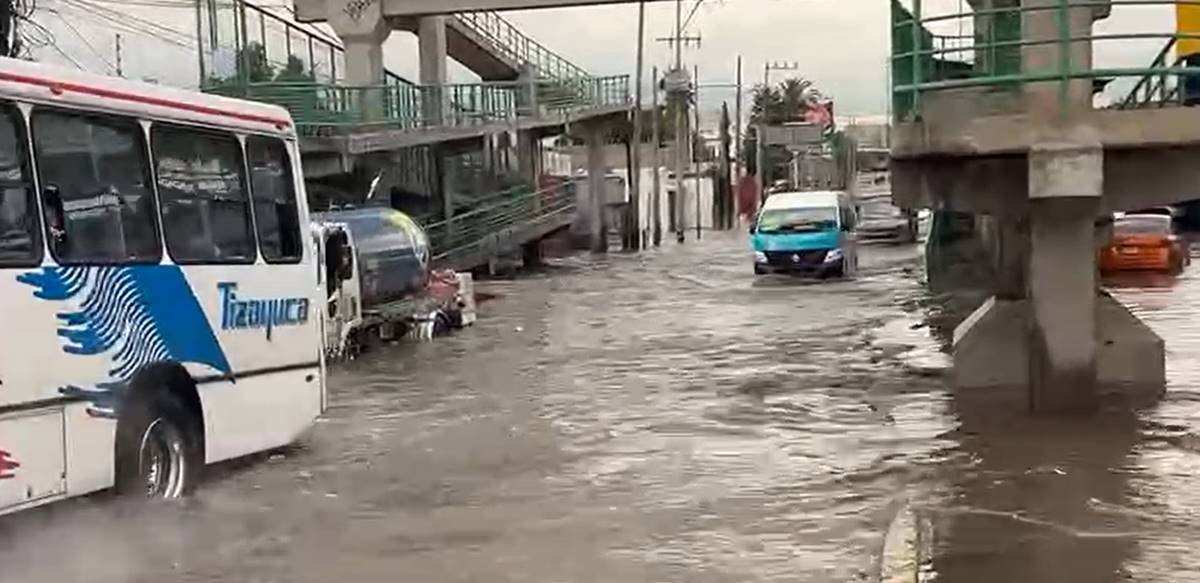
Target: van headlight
760 257
833 255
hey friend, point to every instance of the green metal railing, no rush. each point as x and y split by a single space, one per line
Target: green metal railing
508 41
317 107
496 220
997 44
1157 90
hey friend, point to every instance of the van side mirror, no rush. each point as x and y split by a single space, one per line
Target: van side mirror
344 256
346 271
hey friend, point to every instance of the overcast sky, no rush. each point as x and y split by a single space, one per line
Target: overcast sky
841 45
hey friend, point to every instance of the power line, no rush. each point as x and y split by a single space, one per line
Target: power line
86 42
127 20
69 58
695 7
129 23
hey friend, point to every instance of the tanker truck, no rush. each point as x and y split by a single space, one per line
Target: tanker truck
378 282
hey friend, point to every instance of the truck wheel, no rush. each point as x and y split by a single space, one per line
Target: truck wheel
158 447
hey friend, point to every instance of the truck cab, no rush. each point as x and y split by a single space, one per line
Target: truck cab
341 285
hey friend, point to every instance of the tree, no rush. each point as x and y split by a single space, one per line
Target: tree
789 101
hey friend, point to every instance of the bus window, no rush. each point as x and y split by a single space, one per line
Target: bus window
205 209
95 188
20 234
275 210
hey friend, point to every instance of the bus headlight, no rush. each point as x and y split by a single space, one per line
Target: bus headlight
833 256
760 257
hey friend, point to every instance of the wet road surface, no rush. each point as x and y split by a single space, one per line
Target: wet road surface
668 417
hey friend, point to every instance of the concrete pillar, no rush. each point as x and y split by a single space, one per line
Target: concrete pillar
1066 182
1011 258
527 95
528 155
1047 25
364 71
597 233
362 29
431 46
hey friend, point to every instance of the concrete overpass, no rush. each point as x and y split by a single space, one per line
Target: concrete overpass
418 8
1020 141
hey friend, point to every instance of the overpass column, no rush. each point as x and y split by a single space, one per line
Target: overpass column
597 234
1065 185
431 44
362 29
1045 25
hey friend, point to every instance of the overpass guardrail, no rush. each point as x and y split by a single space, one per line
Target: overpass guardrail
508 40
985 48
326 107
503 223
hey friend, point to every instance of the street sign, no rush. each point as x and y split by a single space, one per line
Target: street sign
792 135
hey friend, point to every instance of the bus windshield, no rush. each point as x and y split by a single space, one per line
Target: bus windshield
797 220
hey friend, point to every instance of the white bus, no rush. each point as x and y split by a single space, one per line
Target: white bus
159 300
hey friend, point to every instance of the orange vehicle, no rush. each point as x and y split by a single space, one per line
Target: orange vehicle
1144 242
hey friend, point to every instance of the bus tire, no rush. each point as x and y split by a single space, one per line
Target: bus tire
158 445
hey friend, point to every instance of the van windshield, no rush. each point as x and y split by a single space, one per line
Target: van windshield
797 220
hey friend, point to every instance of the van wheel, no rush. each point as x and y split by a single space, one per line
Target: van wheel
158 447
841 270
760 270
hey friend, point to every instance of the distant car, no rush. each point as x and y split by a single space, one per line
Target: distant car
881 220
1144 242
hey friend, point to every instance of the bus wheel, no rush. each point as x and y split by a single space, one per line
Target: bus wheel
157 448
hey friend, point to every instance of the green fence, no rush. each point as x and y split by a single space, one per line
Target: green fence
322 106
500 218
992 43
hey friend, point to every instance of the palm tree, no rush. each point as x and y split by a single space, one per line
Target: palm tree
786 102
789 101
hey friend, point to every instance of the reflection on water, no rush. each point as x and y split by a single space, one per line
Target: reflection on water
669 417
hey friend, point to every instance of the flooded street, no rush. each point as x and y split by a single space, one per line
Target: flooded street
667 417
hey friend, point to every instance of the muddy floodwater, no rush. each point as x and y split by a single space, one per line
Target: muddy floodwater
666 417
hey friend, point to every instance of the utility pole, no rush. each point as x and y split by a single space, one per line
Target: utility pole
678 94
737 164
656 194
695 150
777 66
634 240
680 122
120 71
761 149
